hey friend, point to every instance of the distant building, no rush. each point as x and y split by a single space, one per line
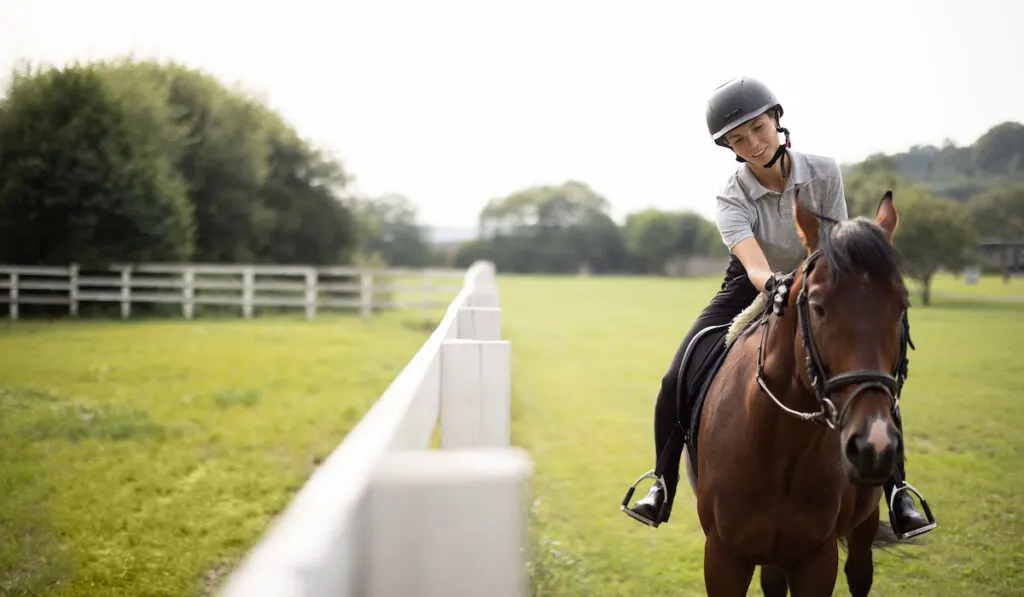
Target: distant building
1003 253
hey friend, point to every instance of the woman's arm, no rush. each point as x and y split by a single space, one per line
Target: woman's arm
752 257
736 225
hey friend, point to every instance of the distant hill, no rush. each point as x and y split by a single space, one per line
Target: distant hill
996 159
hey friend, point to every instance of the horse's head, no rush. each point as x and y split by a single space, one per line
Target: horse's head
851 308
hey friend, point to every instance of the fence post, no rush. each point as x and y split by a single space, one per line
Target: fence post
188 292
476 393
366 294
248 275
449 524
126 292
13 294
478 323
311 293
485 290
73 290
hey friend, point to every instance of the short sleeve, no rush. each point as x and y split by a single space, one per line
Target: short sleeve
835 201
734 220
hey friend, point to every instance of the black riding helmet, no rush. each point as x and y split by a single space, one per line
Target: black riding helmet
738 100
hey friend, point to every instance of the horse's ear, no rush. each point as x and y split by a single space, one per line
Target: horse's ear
807 225
886 216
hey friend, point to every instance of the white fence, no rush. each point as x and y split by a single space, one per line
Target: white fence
244 286
384 515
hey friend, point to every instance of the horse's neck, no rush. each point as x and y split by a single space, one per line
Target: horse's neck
782 376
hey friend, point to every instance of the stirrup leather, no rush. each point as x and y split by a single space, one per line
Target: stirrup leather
659 481
924 505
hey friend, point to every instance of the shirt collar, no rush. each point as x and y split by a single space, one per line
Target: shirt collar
797 178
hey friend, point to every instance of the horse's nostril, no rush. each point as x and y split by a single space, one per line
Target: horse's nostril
852 449
868 461
861 452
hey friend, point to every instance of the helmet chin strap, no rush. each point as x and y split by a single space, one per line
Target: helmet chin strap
781 151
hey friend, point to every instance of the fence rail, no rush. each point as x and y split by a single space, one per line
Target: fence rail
243 286
386 516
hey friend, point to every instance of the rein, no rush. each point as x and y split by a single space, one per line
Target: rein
824 386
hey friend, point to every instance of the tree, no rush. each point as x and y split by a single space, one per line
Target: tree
221 147
655 238
994 160
81 180
552 229
651 238
866 181
260 193
388 228
310 225
999 213
933 233
1001 149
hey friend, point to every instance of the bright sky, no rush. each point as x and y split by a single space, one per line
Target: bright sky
452 103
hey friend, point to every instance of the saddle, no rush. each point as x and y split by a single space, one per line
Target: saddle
701 362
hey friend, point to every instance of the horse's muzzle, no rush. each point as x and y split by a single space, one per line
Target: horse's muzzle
871 453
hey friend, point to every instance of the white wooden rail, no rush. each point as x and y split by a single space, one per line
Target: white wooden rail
244 286
384 515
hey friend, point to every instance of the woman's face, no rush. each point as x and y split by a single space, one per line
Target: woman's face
755 140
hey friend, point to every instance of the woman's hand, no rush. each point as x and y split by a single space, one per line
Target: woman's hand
778 286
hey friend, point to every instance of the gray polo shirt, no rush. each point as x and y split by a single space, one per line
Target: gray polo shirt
746 208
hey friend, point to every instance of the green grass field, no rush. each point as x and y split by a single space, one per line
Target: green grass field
588 356
145 457
991 286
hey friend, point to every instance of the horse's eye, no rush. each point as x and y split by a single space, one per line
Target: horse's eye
818 310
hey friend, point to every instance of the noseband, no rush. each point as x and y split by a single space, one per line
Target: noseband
824 386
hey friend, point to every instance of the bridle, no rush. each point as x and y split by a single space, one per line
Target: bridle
824 386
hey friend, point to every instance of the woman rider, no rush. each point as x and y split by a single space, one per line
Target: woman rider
755 220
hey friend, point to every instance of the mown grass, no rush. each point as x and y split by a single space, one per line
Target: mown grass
993 286
588 356
145 457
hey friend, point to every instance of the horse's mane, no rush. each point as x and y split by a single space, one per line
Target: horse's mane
857 243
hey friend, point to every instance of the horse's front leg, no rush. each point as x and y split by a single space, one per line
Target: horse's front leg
726 572
859 566
815 574
773 582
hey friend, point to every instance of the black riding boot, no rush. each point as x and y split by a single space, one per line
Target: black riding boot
649 509
654 508
906 521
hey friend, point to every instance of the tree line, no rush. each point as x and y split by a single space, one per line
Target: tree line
950 199
140 161
145 161
133 161
567 229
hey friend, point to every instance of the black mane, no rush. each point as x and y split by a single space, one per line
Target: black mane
857 244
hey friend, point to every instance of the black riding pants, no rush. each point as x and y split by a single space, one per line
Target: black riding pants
735 295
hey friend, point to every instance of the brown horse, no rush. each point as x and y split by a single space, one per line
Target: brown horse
798 431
